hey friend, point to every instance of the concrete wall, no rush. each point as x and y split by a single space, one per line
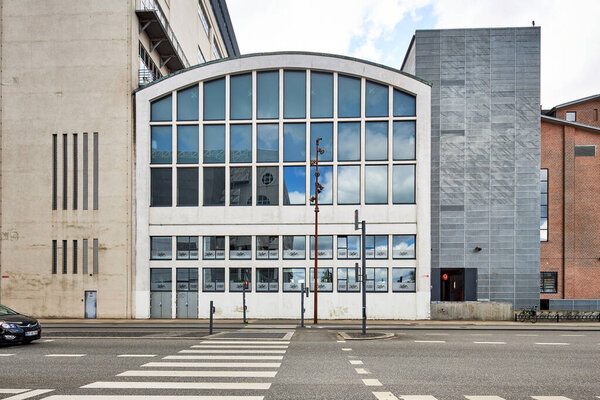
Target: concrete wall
471 310
485 131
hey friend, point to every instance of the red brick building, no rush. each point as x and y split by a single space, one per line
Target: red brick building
570 202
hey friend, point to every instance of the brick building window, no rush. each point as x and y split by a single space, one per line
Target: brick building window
571 116
544 205
548 282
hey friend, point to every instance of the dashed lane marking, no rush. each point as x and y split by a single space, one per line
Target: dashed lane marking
65 355
346 349
137 355
203 374
341 341
361 371
179 385
356 362
372 382
6 355
489 342
553 344
384 396
430 341
573 335
526 334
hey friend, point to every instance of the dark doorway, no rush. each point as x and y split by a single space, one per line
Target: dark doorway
452 284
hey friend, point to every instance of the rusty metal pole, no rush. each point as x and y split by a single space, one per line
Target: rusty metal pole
315 317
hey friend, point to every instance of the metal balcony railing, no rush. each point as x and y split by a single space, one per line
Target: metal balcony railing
149 12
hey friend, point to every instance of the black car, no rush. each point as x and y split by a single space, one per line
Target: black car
17 328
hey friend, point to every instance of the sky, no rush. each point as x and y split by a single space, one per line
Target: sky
381 30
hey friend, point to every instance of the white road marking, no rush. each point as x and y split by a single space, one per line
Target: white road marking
489 342
137 355
223 358
13 391
550 398
361 371
573 335
211 365
356 362
384 396
27 395
526 334
482 334
233 346
49 340
554 344
145 397
372 382
410 397
65 355
341 341
6 355
243 342
236 351
204 374
346 349
179 385
430 341
484 397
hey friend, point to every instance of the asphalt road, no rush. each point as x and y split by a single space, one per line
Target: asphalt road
314 364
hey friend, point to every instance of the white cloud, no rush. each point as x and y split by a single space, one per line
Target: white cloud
297 197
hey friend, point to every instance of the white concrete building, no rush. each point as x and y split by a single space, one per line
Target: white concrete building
223 183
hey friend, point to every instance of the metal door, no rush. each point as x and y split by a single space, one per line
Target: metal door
90 304
160 305
187 293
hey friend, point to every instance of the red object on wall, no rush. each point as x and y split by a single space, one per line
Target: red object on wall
445 277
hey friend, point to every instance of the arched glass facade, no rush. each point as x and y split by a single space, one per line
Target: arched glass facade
224 180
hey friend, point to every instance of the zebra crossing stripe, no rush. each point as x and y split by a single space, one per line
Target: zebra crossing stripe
372 382
13 391
417 397
244 342
28 394
200 364
484 398
384 396
210 357
237 351
179 385
136 355
550 398
356 362
145 397
203 374
234 346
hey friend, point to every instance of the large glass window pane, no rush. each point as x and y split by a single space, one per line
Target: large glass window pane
376 280
325 180
214 144
187 187
322 130
294 247
404 140
187 247
214 100
267 279
214 186
347 280
325 248
213 279
160 247
267 186
240 143
403 246
294 142
214 248
376 246
349 141
403 279
241 96
376 141
240 247
292 278
348 247
161 182
240 185
348 184
294 94
376 100
404 104
187 104
162 145
161 109
267 94
187 279
267 247
321 95
403 184
267 143
237 277
348 97
324 279
376 184
161 279
187 144
294 185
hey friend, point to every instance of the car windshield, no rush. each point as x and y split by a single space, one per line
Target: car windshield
6 311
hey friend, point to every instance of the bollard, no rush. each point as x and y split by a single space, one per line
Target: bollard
302 304
245 286
210 324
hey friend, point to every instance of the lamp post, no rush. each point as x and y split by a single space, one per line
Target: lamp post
315 198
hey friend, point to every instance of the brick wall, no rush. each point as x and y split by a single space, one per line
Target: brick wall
587 112
573 247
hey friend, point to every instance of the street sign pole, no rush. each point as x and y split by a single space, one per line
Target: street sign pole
363 272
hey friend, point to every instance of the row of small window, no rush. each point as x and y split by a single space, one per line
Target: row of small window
293 185
294 98
267 279
548 282
544 205
294 247
294 142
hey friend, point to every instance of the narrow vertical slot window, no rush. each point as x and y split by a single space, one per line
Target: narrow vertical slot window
54 171
84 256
75 177
85 171
544 205
65 171
95 170
95 257
74 256
64 257
54 257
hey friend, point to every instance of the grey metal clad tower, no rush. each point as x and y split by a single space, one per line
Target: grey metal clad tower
485 139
